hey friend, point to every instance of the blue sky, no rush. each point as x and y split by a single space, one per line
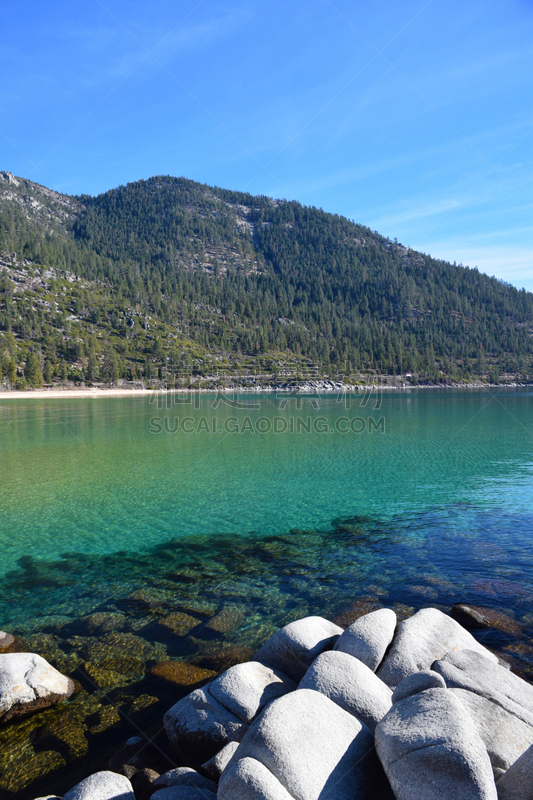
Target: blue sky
414 118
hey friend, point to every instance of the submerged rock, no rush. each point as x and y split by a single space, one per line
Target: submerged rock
97 624
218 659
477 617
227 619
181 674
11 644
176 624
28 683
355 611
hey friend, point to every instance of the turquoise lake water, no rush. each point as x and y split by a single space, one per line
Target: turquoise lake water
97 477
194 531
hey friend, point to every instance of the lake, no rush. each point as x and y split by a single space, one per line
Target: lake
241 513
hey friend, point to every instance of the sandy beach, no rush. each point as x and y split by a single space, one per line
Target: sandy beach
47 394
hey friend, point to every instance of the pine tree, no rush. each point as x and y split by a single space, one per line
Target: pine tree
32 370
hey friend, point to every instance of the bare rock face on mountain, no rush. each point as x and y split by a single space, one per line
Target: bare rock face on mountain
28 683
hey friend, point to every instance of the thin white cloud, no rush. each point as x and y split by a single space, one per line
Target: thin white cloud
513 264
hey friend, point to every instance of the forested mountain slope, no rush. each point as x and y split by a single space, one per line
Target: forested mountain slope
171 278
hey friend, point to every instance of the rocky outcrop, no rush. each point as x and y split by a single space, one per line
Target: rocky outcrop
313 748
246 688
422 639
413 684
207 719
186 777
199 726
516 783
293 649
504 735
351 685
184 793
476 672
102 786
423 711
368 637
429 749
216 765
249 779
28 683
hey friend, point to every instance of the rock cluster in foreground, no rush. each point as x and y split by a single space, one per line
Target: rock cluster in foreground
415 711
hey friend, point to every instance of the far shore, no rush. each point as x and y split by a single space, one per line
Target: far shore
97 392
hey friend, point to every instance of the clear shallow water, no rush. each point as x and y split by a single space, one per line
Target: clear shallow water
89 475
106 507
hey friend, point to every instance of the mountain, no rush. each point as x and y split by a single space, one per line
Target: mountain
175 280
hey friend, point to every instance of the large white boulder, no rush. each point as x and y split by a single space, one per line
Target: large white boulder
505 736
351 685
294 648
422 639
430 749
248 779
517 782
102 786
246 688
199 726
183 793
28 683
315 749
368 637
216 765
477 673
184 776
417 682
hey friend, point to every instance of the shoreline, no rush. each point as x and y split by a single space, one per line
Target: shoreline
42 394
